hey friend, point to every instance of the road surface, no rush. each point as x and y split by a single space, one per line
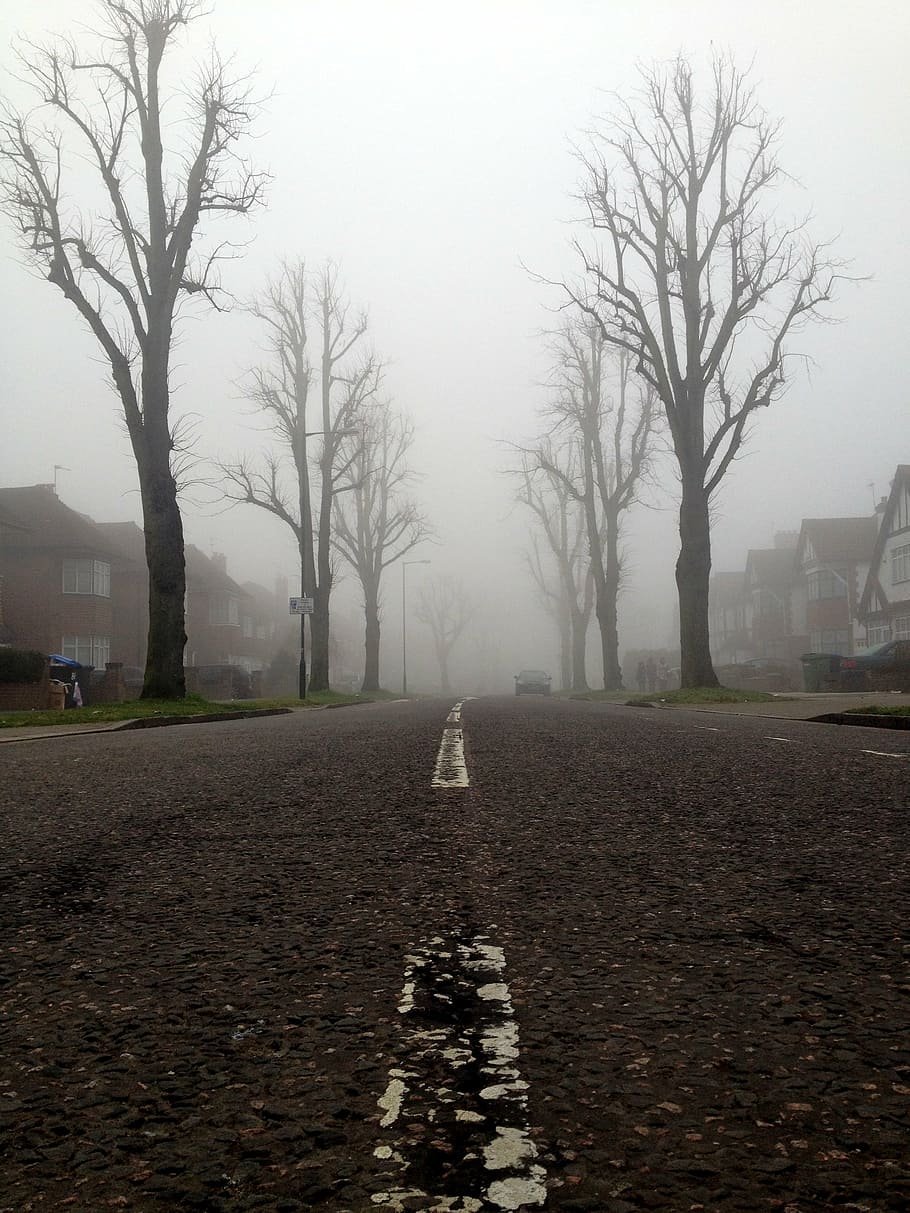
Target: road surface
495 954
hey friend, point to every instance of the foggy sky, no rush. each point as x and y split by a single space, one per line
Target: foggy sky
426 148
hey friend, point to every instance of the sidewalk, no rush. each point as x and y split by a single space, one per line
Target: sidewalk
829 707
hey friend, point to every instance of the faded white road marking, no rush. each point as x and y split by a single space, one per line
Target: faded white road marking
458 1075
706 728
451 770
789 740
884 754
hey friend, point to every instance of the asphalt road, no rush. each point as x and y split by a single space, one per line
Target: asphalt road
644 959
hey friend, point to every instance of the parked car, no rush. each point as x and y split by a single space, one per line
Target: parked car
885 666
532 682
758 674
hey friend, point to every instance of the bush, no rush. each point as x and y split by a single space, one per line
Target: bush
22 665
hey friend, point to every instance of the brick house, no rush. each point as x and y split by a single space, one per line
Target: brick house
833 556
884 607
58 576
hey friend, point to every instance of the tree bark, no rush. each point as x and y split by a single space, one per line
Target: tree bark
564 614
371 643
319 637
607 608
163 525
693 570
580 621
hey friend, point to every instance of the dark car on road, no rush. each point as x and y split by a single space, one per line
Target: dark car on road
532 682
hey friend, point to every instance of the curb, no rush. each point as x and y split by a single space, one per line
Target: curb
145 722
156 722
869 720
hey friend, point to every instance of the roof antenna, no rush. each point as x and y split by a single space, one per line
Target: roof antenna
58 467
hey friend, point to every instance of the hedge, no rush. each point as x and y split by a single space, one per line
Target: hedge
22 665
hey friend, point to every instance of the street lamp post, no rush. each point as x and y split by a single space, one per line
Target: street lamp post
404 623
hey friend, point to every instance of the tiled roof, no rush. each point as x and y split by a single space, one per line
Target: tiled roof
850 539
39 519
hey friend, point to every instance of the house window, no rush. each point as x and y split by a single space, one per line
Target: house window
900 564
247 626
83 576
900 628
827 583
877 633
87 650
224 611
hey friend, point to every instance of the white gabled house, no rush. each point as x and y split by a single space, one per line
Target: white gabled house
885 604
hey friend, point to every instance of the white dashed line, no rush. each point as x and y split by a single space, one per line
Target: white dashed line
789 740
451 769
706 728
457 1075
884 754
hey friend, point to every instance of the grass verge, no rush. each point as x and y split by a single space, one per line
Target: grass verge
881 709
704 695
193 705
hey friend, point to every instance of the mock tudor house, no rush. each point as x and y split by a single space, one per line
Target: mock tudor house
833 556
772 590
884 607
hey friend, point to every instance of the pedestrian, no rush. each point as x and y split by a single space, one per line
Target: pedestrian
651 672
640 677
663 674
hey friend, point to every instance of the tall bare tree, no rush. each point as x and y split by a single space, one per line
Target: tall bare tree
597 405
445 606
290 482
126 261
569 596
696 278
376 524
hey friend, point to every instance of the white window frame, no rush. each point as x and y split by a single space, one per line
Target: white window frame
900 627
900 564
82 575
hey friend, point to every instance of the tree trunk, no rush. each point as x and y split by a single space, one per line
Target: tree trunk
693 569
164 546
579 650
565 644
606 606
319 639
371 643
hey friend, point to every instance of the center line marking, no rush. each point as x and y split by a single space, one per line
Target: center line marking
884 754
456 1136
790 740
451 769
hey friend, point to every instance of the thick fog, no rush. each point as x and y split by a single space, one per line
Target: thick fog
427 149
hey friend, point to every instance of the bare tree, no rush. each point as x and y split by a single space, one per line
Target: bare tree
288 482
375 523
126 267
446 608
692 268
612 420
569 597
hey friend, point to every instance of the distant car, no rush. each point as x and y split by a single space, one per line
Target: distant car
532 682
